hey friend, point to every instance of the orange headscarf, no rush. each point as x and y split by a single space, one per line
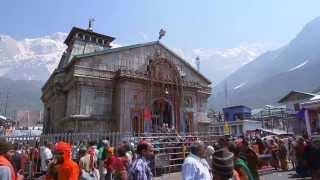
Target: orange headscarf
65 148
68 170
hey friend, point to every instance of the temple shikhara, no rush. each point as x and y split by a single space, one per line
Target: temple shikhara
137 88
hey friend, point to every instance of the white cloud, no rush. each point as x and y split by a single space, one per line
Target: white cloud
35 55
180 53
217 63
45 52
144 36
115 45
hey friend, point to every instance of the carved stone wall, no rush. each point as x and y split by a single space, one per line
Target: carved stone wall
72 99
137 59
102 92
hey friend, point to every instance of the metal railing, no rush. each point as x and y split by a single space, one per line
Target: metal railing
171 148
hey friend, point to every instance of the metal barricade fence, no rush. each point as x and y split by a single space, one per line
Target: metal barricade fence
171 148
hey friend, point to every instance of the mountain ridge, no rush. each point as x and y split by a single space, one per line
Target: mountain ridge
30 58
292 67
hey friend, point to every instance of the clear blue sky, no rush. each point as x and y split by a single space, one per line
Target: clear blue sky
189 23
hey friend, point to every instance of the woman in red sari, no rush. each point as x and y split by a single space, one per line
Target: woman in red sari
120 165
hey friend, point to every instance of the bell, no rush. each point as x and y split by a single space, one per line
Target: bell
166 91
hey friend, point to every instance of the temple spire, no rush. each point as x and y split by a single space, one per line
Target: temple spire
198 63
91 20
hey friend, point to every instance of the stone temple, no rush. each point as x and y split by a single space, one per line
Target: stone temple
137 88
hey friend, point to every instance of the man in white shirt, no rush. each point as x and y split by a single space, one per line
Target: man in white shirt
46 156
195 166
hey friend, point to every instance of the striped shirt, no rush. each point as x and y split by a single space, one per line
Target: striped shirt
140 170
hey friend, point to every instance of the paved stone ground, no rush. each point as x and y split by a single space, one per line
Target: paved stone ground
172 176
281 176
274 175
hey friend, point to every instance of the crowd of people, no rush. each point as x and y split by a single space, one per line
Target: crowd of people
236 159
62 161
241 158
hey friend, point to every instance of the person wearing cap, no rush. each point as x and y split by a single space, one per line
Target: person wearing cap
63 167
223 165
210 151
7 170
140 167
195 165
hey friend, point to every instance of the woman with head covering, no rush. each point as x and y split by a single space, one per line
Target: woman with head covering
250 157
120 165
240 165
63 167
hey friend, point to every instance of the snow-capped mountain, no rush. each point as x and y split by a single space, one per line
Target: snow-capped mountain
217 64
36 58
272 75
31 58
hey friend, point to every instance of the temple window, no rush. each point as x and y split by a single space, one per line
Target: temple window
99 103
87 38
94 39
80 36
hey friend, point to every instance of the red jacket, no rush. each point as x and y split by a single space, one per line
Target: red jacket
109 162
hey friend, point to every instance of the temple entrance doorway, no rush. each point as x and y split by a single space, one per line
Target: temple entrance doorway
162 114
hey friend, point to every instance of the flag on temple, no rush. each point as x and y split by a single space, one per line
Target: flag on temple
146 114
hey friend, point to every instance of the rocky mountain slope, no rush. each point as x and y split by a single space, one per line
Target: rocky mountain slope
266 79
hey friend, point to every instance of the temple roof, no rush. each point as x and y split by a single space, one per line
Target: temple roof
107 51
75 30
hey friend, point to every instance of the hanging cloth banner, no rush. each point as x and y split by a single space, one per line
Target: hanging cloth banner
226 129
146 114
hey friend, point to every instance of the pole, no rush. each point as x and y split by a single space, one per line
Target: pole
307 119
28 119
6 104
